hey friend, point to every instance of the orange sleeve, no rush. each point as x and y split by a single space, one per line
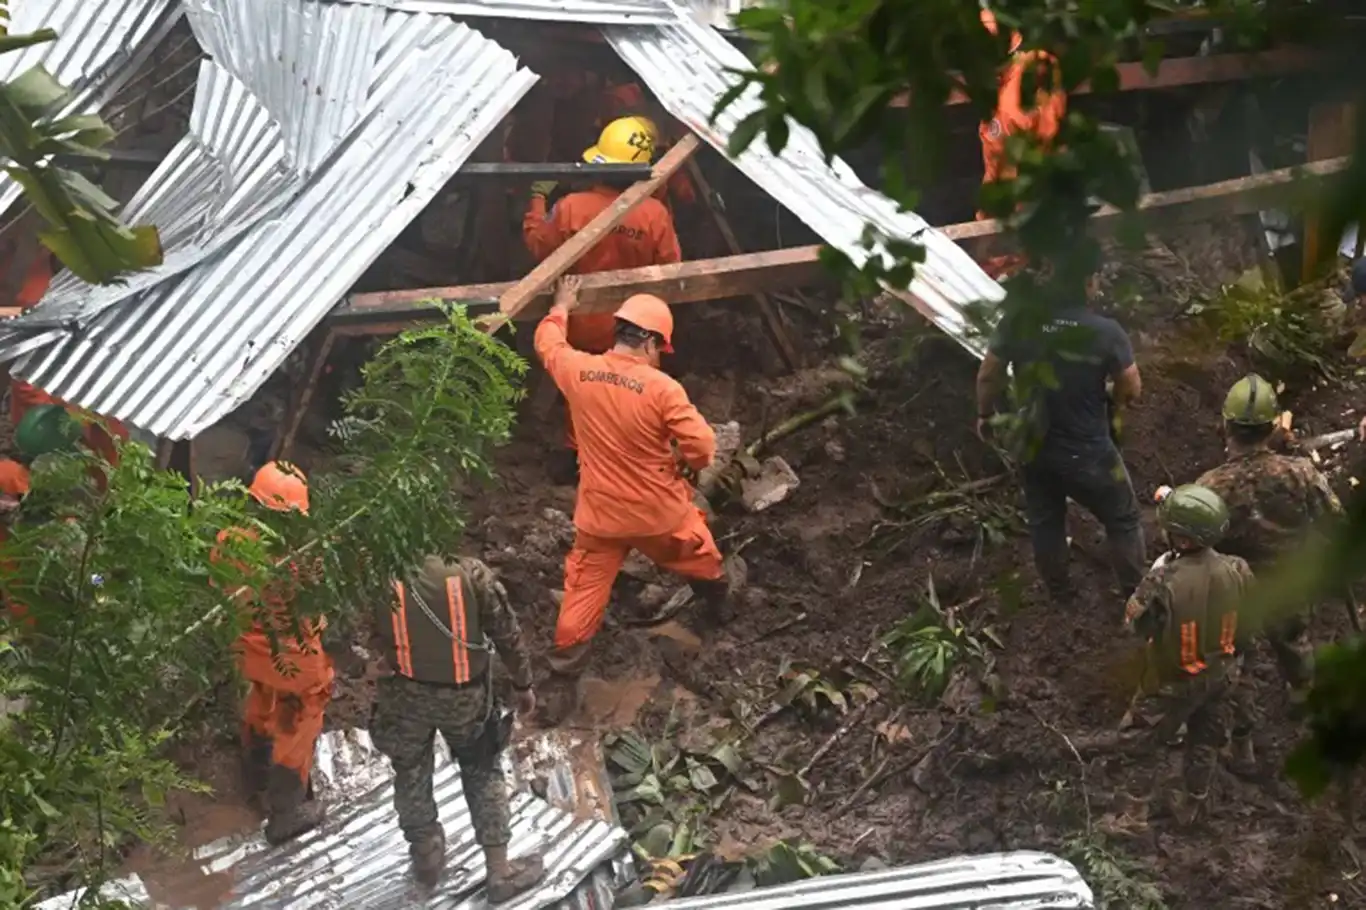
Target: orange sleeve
695 437
552 346
541 230
664 239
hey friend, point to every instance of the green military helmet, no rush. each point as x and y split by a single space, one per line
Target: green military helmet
44 429
1251 402
1196 512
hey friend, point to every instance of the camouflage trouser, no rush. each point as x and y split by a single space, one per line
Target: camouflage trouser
1211 705
403 725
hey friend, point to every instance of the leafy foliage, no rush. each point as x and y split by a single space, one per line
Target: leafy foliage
119 622
786 862
933 642
1286 333
35 125
834 68
666 790
1117 883
815 693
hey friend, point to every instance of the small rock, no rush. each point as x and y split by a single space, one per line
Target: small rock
557 595
834 450
775 482
640 568
872 864
653 597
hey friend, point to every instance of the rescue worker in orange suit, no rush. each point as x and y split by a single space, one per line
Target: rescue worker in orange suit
627 99
1043 119
645 237
98 435
283 713
639 436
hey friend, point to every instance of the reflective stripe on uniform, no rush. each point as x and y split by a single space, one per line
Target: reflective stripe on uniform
455 605
1228 628
1190 648
403 646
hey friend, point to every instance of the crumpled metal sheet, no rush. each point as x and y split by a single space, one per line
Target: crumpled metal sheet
1022 880
358 860
685 65
592 12
320 131
100 45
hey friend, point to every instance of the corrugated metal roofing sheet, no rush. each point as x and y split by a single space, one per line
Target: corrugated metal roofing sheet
1023 880
99 46
593 12
684 64
358 860
288 187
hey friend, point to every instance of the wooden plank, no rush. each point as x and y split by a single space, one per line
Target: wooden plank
1330 136
1176 72
283 446
743 275
557 263
774 323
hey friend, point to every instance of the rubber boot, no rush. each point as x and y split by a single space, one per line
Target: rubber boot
508 878
291 812
557 698
1243 760
717 598
256 767
428 854
562 467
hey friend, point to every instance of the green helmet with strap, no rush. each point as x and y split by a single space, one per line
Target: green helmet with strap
44 429
1196 512
1251 402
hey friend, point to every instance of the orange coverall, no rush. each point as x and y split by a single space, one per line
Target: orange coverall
287 708
14 485
631 493
23 395
1043 120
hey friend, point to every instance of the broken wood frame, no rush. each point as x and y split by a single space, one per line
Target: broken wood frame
1331 125
389 312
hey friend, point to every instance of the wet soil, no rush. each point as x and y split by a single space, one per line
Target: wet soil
836 565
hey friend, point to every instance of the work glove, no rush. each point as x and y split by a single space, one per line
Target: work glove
543 188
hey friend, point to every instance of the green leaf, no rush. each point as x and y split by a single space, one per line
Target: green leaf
745 133
702 778
34 90
729 758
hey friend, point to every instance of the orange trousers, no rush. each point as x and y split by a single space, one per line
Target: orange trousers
593 564
286 708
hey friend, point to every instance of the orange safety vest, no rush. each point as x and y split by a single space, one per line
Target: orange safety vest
427 643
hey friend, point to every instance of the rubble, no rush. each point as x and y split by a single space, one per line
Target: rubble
775 482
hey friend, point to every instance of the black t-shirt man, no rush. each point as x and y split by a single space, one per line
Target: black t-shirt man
1077 460
1085 349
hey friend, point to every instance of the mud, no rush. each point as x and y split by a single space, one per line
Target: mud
833 567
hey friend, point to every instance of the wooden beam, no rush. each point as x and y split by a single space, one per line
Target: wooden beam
741 276
786 349
1176 72
559 262
1330 136
283 446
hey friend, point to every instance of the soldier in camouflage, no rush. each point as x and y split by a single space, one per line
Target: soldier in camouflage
1187 608
1274 502
436 637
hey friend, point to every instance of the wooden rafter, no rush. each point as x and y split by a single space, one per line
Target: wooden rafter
741 276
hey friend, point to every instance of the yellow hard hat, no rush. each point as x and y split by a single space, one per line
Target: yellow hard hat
626 140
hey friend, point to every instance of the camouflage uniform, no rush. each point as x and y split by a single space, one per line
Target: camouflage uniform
1274 501
437 642
1188 609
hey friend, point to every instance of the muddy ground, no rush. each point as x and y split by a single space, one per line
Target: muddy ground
972 773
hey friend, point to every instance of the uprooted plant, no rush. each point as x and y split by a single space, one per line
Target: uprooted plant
1117 882
667 789
788 862
966 509
117 617
933 642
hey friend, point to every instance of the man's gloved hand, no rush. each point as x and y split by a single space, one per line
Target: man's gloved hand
543 188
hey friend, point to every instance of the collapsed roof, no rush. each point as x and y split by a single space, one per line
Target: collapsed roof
320 130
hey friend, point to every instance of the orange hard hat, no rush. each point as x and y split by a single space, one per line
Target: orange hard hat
281 487
14 478
651 313
989 20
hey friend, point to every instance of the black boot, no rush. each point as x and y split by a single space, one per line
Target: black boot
563 467
508 878
256 767
291 812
